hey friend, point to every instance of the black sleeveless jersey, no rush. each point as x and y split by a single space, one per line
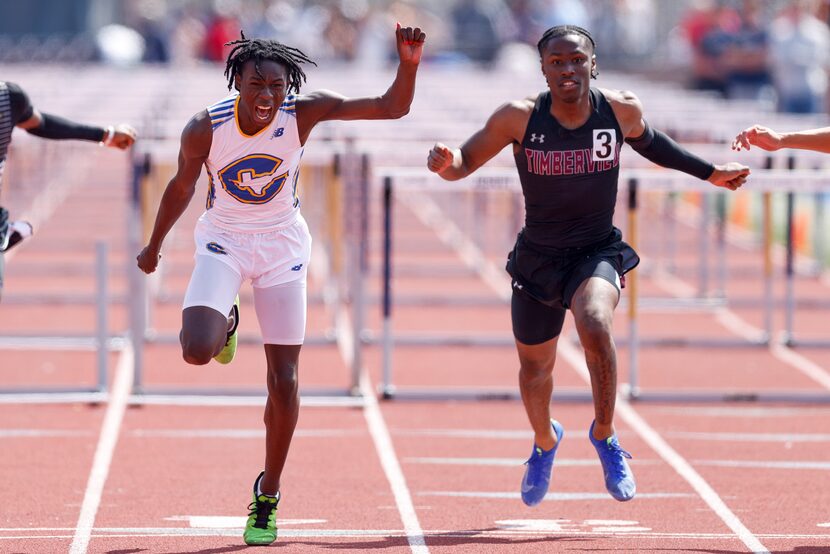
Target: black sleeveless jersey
569 177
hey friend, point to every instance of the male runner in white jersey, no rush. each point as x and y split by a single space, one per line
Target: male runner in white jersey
569 256
251 144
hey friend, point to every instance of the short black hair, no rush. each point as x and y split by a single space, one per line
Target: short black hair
258 50
561 31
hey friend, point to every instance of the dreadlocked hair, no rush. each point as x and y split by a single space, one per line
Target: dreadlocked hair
258 49
561 31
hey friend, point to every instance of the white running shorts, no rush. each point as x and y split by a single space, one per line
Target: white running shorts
276 263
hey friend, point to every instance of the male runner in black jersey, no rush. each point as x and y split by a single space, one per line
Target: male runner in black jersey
17 111
567 142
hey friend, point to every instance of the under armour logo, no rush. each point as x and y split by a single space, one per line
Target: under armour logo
534 138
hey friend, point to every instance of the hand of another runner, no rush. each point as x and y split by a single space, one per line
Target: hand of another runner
148 259
730 176
410 44
440 158
123 137
758 135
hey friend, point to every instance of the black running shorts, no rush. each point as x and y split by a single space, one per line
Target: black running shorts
545 280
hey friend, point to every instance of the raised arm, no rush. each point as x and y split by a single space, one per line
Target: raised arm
326 105
505 126
194 150
770 140
50 126
659 148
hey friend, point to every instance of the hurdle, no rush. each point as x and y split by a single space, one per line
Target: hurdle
490 178
101 343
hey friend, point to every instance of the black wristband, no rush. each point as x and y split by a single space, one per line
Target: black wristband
55 127
659 148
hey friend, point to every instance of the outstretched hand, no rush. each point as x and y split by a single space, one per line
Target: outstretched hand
123 137
440 158
410 44
758 135
730 176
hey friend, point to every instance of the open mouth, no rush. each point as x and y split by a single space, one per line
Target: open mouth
568 84
263 113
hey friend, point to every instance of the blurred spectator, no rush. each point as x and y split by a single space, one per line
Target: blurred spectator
474 32
342 32
799 44
563 12
222 28
707 27
748 75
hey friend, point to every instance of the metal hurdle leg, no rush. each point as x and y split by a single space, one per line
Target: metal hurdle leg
387 388
632 389
101 342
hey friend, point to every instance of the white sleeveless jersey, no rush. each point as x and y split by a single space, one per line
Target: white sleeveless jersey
253 178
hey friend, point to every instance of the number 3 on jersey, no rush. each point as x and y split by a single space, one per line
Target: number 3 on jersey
251 179
605 143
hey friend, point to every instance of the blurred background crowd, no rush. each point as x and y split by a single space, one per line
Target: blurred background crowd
767 50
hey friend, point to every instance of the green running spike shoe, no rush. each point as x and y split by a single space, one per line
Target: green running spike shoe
261 528
225 356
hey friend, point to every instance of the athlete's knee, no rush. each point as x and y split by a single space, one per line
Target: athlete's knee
196 351
283 381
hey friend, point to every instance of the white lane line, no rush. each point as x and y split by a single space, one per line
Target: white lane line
555 496
239 433
392 468
40 433
750 437
104 451
168 532
675 460
512 462
770 464
383 444
740 411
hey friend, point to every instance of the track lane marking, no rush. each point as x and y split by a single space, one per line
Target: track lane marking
108 438
383 444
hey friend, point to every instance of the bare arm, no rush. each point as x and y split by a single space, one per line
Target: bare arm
662 150
194 150
326 105
505 126
770 140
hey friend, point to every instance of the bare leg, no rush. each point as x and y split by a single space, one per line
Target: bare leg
281 411
593 308
536 386
203 335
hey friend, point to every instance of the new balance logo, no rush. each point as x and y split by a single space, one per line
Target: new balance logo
297 267
278 132
534 138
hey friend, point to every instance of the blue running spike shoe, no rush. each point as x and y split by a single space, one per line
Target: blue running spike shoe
537 475
619 480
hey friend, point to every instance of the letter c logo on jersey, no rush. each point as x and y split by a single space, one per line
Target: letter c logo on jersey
251 179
